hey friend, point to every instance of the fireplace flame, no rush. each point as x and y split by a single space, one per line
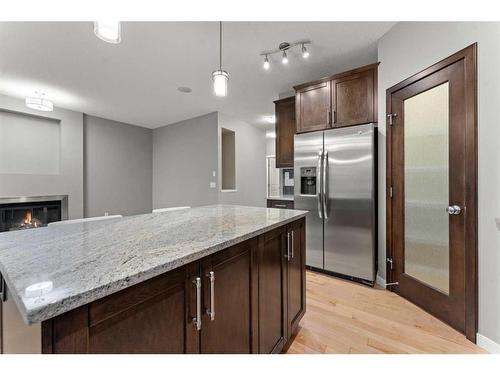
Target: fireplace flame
27 218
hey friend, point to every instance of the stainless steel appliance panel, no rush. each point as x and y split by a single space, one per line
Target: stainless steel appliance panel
308 151
349 224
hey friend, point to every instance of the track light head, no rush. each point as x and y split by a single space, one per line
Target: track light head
284 59
266 63
305 52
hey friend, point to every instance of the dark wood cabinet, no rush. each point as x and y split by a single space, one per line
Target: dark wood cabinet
272 291
280 203
353 98
296 276
285 131
151 317
313 107
256 290
227 278
344 99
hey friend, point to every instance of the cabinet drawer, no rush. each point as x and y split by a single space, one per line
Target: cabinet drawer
277 203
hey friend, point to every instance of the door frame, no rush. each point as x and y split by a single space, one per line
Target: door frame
469 56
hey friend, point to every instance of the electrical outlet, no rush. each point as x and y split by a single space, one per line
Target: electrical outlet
212 185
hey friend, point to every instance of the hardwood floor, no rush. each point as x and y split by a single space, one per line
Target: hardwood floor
346 317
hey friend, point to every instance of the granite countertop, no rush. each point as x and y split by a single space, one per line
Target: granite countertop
87 261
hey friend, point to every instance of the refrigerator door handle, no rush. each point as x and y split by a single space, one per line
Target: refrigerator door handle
319 175
325 184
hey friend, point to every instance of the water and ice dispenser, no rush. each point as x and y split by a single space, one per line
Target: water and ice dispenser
308 181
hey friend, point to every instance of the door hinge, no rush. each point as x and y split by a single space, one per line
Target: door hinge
391 116
390 192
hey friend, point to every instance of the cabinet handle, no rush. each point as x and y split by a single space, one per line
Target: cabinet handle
293 243
328 115
280 205
3 289
287 256
211 310
334 116
197 319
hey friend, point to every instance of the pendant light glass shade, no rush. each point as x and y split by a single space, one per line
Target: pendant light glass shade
220 78
40 104
109 31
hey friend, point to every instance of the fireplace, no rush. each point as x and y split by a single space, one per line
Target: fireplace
31 212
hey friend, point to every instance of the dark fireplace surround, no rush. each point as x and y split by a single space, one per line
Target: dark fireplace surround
20 213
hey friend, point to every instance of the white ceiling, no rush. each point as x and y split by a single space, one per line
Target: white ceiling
136 81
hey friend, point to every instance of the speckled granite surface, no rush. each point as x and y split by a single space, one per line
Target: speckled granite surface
88 261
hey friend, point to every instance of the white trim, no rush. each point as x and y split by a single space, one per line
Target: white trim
228 190
380 281
487 344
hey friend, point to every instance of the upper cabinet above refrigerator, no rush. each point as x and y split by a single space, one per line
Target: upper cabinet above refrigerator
345 99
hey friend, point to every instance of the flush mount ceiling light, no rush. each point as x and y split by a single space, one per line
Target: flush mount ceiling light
282 49
39 103
109 31
220 77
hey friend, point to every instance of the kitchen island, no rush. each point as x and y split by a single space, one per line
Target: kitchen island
213 279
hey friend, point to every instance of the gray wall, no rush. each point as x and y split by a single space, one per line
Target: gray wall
118 168
250 163
69 179
184 158
399 60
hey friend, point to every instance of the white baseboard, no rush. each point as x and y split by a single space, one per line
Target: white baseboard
380 281
487 344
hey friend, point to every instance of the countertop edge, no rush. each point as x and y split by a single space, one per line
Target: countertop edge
70 303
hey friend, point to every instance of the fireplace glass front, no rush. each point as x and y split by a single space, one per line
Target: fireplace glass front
28 215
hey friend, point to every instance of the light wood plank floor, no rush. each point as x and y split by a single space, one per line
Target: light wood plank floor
346 317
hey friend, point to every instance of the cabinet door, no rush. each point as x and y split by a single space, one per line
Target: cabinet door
272 291
353 99
226 280
285 131
296 276
313 107
151 317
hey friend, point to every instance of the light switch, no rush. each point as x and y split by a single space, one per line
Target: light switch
212 184
213 173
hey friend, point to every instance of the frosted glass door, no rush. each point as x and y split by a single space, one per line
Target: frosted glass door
426 182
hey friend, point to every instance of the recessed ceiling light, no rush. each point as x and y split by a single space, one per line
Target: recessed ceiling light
109 31
39 103
184 89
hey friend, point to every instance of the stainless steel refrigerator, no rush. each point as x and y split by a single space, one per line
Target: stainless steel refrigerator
335 180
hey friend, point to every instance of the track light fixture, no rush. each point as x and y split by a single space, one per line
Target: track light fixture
283 48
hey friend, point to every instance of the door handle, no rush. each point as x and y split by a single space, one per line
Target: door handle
293 245
211 310
453 210
197 318
325 185
318 185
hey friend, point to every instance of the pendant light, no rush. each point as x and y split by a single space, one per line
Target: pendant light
220 77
